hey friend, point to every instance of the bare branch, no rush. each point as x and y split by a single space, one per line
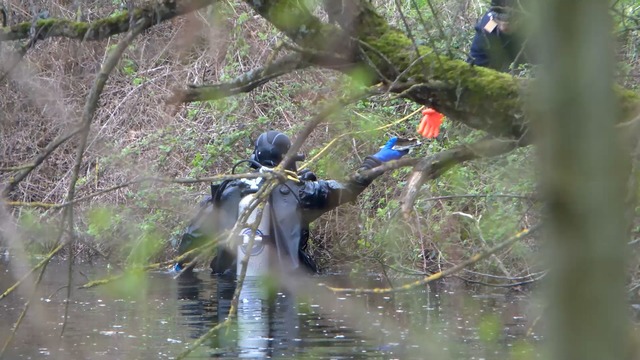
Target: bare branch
433 166
140 181
242 84
87 117
16 325
48 150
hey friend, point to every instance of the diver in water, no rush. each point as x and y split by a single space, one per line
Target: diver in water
283 231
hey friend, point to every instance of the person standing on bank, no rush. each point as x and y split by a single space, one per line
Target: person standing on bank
283 230
498 43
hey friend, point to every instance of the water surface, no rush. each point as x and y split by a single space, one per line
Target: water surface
154 316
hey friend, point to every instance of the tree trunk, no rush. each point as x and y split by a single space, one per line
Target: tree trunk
584 180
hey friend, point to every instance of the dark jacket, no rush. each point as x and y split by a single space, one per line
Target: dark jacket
294 205
495 49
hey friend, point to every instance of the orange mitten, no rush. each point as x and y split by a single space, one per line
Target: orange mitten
430 123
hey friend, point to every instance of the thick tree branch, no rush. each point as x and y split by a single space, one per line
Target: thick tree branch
478 97
294 19
435 165
152 13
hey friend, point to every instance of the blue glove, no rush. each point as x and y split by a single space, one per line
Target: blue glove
176 268
387 153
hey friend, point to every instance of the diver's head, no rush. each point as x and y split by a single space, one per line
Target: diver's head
270 149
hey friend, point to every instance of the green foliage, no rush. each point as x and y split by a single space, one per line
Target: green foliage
100 220
490 328
132 285
39 233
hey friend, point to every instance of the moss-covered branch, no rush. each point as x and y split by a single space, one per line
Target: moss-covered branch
478 97
153 12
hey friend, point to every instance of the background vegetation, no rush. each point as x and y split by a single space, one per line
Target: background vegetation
135 134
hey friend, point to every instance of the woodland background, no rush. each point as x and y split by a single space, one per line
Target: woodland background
139 132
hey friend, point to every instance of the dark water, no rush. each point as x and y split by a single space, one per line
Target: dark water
155 316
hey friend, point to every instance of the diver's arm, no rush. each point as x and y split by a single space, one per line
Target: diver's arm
328 194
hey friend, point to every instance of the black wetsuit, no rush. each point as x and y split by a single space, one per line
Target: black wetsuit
294 205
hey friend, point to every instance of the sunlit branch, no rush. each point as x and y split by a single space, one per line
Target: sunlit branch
149 267
448 272
42 263
508 285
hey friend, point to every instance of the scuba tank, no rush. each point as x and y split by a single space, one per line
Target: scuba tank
259 259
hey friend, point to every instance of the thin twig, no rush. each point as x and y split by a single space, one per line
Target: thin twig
140 181
42 263
44 154
449 197
24 311
313 123
520 283
413 39
87 117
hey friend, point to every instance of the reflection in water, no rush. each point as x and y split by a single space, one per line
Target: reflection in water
267 325
159 317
